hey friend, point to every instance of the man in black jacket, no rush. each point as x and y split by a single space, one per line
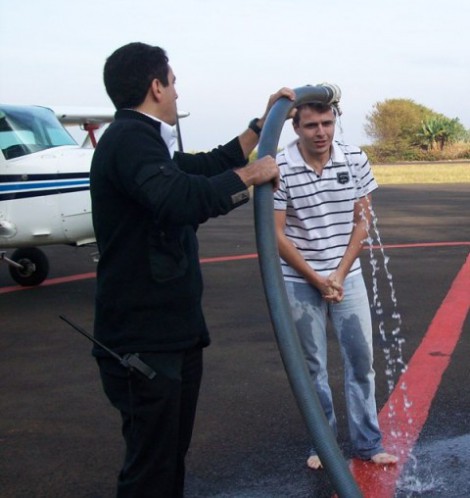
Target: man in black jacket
147 203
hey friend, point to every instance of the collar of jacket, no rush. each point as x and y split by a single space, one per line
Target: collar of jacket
131 114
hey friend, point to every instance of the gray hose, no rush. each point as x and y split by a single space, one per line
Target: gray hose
276 296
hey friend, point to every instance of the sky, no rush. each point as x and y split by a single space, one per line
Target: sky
229 56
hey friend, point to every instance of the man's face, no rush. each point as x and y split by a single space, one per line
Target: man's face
315 130
168 100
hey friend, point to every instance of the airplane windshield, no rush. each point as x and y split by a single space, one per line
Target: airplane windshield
28 129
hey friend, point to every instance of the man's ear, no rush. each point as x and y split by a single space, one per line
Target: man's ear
156 89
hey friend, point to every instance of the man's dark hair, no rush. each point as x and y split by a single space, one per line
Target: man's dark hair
129 71
320 107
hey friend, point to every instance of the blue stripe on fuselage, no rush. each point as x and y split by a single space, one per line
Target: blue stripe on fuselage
16 187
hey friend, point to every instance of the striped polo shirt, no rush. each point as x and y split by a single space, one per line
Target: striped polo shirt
320 209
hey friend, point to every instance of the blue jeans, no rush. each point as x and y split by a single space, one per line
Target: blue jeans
351 321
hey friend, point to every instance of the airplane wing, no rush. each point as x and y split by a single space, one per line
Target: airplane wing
82 115
91 119
94 115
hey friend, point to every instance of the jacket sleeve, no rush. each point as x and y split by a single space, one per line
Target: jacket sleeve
146 172
211 163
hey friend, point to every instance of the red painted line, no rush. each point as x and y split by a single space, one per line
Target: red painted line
84 276
222 259
403 416
49 281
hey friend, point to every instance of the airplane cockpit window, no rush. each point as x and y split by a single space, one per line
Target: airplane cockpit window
28 129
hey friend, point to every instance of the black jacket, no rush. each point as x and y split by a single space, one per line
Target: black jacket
146 209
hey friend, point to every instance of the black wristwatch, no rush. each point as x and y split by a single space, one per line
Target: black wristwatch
253 125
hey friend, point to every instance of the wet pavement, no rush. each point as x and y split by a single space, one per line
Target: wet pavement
59 437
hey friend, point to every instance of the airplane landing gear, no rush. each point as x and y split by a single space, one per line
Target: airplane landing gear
29 266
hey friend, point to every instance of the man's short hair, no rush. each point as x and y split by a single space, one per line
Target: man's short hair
320 107
129 71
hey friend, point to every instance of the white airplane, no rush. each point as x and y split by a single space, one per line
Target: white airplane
45 184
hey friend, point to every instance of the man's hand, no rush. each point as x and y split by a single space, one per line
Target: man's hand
249 138
261 171
331 289
283 92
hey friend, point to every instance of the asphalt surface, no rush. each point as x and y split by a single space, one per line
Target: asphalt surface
60 438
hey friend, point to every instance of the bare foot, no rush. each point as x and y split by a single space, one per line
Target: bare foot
314 462
384 459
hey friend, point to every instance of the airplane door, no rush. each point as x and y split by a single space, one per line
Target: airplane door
75 213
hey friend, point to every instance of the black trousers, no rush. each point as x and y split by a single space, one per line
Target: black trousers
157 420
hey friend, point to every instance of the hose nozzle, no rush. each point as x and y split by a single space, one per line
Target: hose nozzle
335 92
326 93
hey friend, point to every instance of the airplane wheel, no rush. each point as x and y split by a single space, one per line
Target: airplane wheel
35 266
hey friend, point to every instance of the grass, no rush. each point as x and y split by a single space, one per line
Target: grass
442 172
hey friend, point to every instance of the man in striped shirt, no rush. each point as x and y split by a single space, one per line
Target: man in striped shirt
322 215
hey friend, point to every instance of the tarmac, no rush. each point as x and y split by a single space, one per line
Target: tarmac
59 437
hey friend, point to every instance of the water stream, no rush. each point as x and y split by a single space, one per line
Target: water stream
415 481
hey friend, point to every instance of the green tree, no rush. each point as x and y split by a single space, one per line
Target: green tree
395 122
428 136
439 131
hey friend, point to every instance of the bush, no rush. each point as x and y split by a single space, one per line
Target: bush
393 153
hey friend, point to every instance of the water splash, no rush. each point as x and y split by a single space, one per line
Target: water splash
420 480
413 485
443 469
